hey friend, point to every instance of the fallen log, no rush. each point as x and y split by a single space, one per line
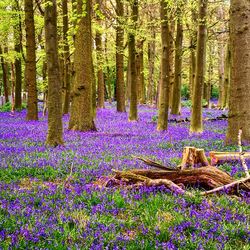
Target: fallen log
205 177
217 157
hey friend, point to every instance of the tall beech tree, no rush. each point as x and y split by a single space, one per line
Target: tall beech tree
100 61
30 64
81 114
55 127
196 116
5 75
132 64
18 61
162 123
176 99
120 86
66 57
239 103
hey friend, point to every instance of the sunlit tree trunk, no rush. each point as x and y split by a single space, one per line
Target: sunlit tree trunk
176 100
132 53
30 65
196 117
100 61
55 127
239 103
18 61
163 105
81 114
120 85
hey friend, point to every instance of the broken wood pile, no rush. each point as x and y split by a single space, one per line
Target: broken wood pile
194 171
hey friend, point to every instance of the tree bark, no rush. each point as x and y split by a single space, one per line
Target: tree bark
176 100
82 115
239 103
227 77
66 101
132 53
5 76
196 117
30 65
18 61
162 123
100 61
55 127
120 85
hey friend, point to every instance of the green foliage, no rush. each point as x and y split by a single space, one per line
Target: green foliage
185 91
7 107
215 92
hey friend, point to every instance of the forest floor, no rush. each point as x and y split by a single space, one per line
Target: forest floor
47 200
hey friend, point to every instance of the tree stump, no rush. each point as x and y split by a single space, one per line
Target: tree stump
193 157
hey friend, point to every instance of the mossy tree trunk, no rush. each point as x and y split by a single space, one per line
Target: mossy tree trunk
120 85
163 104
55 127
30 65
227 77
82 115
239 103
196 117
132 54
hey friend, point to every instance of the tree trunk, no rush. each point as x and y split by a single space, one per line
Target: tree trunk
5 76
239 103
99 57
120 86
55 127
196 117
30 65
171 57
81 116
132 53
66 101
176 100
151 67
221 67
18 61
162 123
227 77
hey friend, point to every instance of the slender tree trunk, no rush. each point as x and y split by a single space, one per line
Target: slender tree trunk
151 67
193 42
227 77
55 127
239 103
66 101
120 85
13 87
132 53
5 76
30 65
171 58
196 117
82 115
221 67
165 70
18 61
176 100
100 61
128 81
